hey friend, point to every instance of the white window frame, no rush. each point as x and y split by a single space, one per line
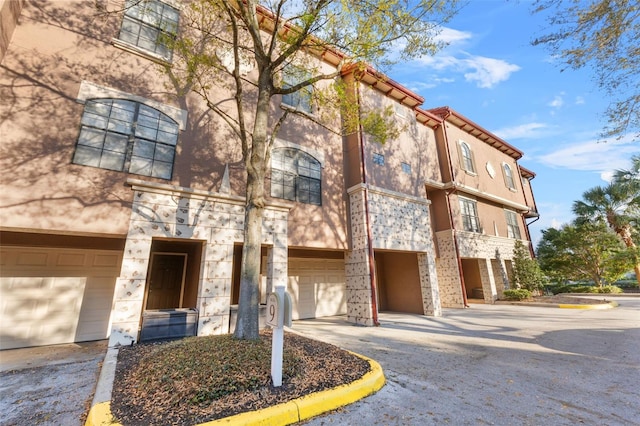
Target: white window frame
302 99
513 228
467 162
137 15
299 179
507 173
469 215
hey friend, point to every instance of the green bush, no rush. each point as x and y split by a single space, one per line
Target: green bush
517 294
627 284
612 289
572 288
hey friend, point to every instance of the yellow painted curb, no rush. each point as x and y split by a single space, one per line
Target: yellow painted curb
100 415
609 305
282 414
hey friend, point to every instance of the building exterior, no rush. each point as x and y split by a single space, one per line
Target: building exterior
122 207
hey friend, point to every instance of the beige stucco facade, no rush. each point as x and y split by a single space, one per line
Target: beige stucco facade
386 234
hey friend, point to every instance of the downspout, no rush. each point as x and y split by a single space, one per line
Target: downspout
372 266
531 250
451 221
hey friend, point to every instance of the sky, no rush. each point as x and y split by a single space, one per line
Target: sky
491 74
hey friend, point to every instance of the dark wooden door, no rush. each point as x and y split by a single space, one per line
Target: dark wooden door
166 280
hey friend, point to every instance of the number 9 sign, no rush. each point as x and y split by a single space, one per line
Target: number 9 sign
273 307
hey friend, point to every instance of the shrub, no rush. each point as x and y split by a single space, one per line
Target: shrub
612 289
517 294
572 288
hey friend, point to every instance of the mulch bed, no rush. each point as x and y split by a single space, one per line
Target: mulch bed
320 366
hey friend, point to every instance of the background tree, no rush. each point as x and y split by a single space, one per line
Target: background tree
583 251
605 35
617 205
246 49
526 271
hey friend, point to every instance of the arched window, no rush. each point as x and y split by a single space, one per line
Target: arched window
296 176
123 135
466 157
150 25
508 176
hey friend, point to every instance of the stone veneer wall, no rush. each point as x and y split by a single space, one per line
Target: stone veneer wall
398 222
160 211
491 252
448 271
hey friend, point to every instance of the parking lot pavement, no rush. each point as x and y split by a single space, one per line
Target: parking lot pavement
49 385
496 364
489 364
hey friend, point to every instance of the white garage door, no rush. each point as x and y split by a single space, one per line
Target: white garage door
317 287
53 295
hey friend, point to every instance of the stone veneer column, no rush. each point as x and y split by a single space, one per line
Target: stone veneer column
358 277
130 286
277 264
214 295
448 271
488 282
430 292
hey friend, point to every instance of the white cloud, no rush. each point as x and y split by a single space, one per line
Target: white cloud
485 72
451 36
557 101
488 71
593 156
580 100
527 130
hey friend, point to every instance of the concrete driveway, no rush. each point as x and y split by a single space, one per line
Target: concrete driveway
497 365
489 364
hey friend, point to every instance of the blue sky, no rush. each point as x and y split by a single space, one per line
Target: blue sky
491 74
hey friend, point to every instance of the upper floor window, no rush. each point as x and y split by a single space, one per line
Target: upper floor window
513 230
301 99
469 211
378 159
508 176
406 167
150 25
123 135
296 176
466 157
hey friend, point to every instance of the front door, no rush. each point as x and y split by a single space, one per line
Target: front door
166 280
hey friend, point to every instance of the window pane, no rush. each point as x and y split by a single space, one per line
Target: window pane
94 120
116 142
277 189
112 160
142 148
140 166
87 156
129 31
146 132
91 137
162 169
164 153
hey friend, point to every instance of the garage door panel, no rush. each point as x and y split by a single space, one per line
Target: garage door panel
52 296
317 287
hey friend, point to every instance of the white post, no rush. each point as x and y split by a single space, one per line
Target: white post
277 341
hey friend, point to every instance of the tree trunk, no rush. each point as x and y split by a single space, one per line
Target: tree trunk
247 322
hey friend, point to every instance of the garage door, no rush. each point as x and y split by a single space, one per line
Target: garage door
52 295
317 287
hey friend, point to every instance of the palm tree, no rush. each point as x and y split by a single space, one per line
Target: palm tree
617 204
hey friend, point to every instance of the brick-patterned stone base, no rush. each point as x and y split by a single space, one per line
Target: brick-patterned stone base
398 222
161 211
